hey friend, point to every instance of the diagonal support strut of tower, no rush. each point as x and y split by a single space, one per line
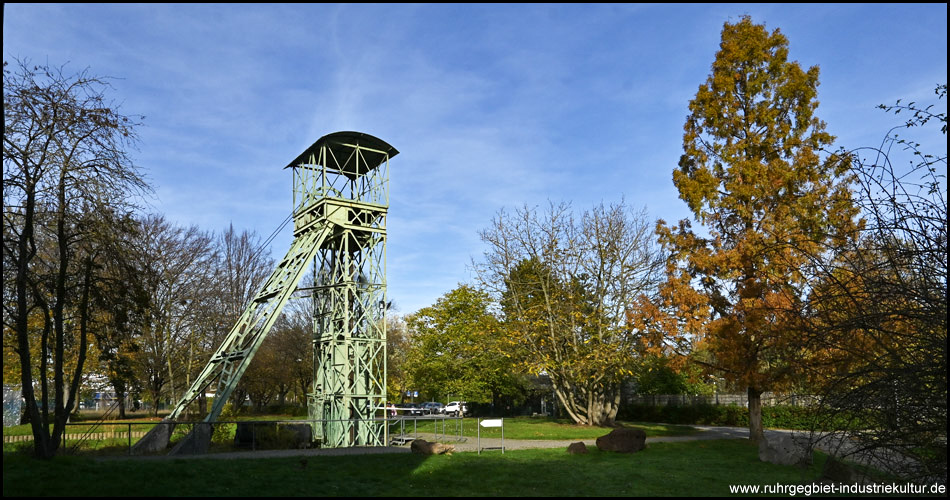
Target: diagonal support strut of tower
232 358
321 215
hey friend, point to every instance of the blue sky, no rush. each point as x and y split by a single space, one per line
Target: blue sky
490 106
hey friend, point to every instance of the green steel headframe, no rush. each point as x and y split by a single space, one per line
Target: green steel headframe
340 197
349 292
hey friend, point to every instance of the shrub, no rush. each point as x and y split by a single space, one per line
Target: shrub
781 417
224 433
294 410
702 414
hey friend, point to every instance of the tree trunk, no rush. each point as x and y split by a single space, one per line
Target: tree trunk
594 408
604 407
72 397
120 393
566 396
756 432
155 391
26 249
613 405
59 317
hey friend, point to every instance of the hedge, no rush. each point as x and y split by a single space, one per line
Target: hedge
779 417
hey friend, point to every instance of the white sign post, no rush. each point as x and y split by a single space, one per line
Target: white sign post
490 422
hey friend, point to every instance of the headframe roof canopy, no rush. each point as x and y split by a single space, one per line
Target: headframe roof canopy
373 151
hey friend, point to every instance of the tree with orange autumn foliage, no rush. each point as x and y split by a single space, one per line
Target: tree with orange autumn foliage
754 177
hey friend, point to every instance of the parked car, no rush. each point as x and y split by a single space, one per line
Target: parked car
456 408
432 408
412 408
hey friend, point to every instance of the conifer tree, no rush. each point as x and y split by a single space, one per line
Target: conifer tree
755 177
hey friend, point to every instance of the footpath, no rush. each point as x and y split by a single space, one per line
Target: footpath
467 444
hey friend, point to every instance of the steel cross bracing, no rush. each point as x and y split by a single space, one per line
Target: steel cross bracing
234 355
349 385
341 198
349 333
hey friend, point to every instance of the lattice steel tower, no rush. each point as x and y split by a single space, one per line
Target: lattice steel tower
341 197
350 174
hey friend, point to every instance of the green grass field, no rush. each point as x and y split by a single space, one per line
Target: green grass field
539 428
699 468
515 428
118 444
695 468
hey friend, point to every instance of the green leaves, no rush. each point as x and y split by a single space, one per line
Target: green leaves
566 286
456 347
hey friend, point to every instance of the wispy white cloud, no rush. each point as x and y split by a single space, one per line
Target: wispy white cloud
491 106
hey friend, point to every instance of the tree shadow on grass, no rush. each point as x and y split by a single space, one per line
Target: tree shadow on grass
698 468
662 469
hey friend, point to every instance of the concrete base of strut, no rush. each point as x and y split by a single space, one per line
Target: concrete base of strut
156 440
196 442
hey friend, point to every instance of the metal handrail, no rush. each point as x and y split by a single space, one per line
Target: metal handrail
387 422
89 433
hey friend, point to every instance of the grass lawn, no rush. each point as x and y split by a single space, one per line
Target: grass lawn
138 423
694 468
515 428
539 428
109 444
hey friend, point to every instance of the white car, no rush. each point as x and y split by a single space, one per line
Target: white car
456 408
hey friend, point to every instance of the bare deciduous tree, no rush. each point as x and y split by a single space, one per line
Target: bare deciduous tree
566 288
64 159
877 317
177 266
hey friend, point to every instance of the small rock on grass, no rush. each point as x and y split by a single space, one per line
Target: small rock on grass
423 447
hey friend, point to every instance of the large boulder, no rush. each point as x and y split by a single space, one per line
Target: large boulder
271 435
423 447
577 448
785 449
623 441
244 434
264 436
255 435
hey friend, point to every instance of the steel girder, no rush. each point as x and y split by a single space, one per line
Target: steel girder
349 385
341 198
233 356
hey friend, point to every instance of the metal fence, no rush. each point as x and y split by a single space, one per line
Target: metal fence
399 428
768 399
118 438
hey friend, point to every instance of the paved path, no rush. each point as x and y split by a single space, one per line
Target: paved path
468 444
706 432
837 446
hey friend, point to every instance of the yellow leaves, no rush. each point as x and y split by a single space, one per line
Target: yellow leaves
752 174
